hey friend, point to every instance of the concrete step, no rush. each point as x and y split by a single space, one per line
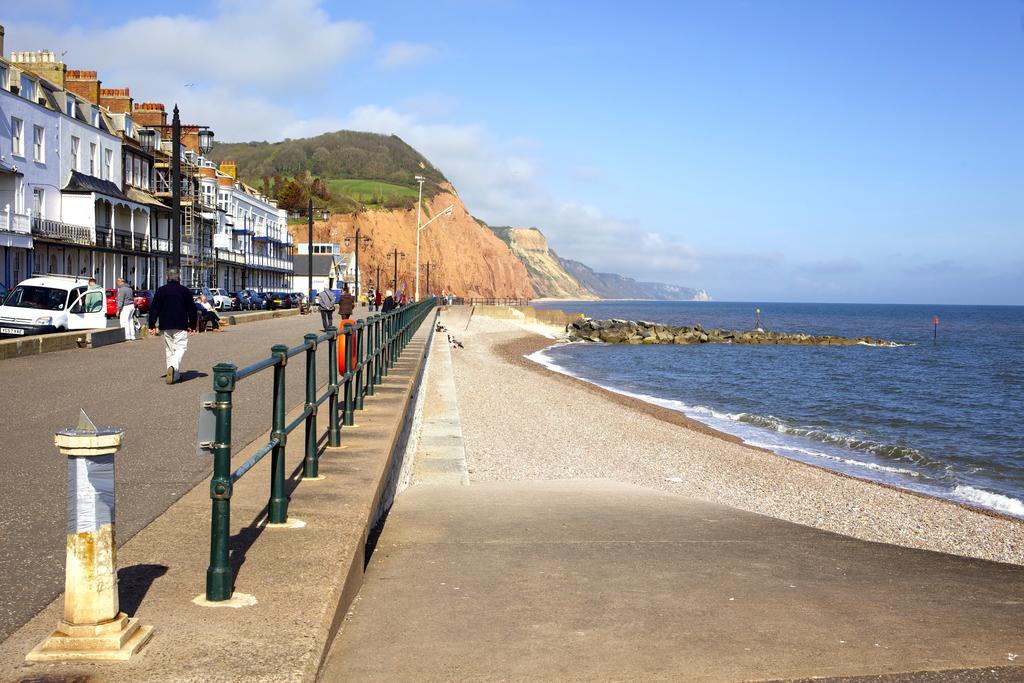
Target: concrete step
566 580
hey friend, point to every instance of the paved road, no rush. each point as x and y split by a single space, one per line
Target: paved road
121 385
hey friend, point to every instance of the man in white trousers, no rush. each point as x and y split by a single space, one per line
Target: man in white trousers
126 309
174 310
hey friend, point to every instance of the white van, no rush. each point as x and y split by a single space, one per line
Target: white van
52 303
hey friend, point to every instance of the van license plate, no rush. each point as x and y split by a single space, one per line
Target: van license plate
11 330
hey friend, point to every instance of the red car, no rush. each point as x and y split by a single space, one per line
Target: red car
111 303
142 297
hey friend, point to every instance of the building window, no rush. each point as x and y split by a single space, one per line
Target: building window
93 159
145 174
137 171
95 117
38 198
17 137
108 164
76 144
71 106
38 144
28 88
3 77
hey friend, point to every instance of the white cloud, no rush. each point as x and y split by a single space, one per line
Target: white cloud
502 183
291 41
402 54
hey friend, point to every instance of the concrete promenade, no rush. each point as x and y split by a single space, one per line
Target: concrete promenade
592 579
302 579
121 385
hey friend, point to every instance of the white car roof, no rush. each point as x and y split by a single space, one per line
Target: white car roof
65 283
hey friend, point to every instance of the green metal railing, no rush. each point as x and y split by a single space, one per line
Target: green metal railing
375 344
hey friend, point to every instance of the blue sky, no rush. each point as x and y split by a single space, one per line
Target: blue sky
796 151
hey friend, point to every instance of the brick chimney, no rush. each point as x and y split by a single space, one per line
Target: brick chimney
85 84
42 63
117 100
229 168
148 114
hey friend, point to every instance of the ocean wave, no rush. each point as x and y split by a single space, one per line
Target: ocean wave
850 462
853 443
988 499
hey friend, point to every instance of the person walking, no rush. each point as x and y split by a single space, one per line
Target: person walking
370 299
389 303
378 299
325 302
174 310
125 301
346 304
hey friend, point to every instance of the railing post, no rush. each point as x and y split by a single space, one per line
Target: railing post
378 323
277 512
371 355
310 466
385 344
360 362
349 374
334 430
219 579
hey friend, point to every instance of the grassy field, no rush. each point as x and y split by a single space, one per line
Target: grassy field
370 191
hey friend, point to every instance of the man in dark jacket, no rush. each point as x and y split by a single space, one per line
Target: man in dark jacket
174 309
389 303
346 304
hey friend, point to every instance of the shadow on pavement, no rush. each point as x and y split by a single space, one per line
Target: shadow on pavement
134 582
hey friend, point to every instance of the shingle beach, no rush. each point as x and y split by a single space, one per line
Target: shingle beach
521 420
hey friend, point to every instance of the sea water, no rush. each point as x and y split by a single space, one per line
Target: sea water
941 415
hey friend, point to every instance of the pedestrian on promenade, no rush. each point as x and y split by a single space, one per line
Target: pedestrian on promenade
174 310
370 299
389 303
346 304
402 299
325 302
126 309
378 299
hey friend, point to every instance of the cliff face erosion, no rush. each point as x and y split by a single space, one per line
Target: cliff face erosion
465 257
368 183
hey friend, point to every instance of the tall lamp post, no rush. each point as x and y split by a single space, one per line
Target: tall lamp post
428 278
366 243
421 227
324 215
396 254
205 145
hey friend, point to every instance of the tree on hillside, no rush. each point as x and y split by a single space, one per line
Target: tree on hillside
319 189
293 197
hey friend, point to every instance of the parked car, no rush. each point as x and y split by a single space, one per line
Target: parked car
251 300
111 298
142 298
40 305
261 300
219 298
236 301
297 299
279 300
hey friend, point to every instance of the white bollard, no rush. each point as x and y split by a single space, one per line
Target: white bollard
93 627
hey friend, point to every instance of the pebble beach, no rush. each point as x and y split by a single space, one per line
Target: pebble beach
522 421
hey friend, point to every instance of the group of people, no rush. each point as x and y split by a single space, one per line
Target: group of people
346 303
378 301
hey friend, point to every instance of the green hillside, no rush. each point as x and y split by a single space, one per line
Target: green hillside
356 170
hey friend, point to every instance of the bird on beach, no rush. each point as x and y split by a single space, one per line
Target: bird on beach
454 343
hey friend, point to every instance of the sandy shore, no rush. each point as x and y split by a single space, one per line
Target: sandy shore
523 421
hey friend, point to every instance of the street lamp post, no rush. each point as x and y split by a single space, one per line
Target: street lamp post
396 254
419 228
428 278
175 189
366 243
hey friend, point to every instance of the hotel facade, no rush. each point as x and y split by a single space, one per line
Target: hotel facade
85 189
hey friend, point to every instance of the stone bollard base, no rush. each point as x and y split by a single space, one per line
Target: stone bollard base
116 640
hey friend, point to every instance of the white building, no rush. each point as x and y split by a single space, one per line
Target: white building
331 268
30 178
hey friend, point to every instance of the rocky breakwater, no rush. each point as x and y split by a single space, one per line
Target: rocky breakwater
641 332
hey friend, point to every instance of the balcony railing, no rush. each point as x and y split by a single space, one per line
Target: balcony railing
62 232
120 239
15 222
